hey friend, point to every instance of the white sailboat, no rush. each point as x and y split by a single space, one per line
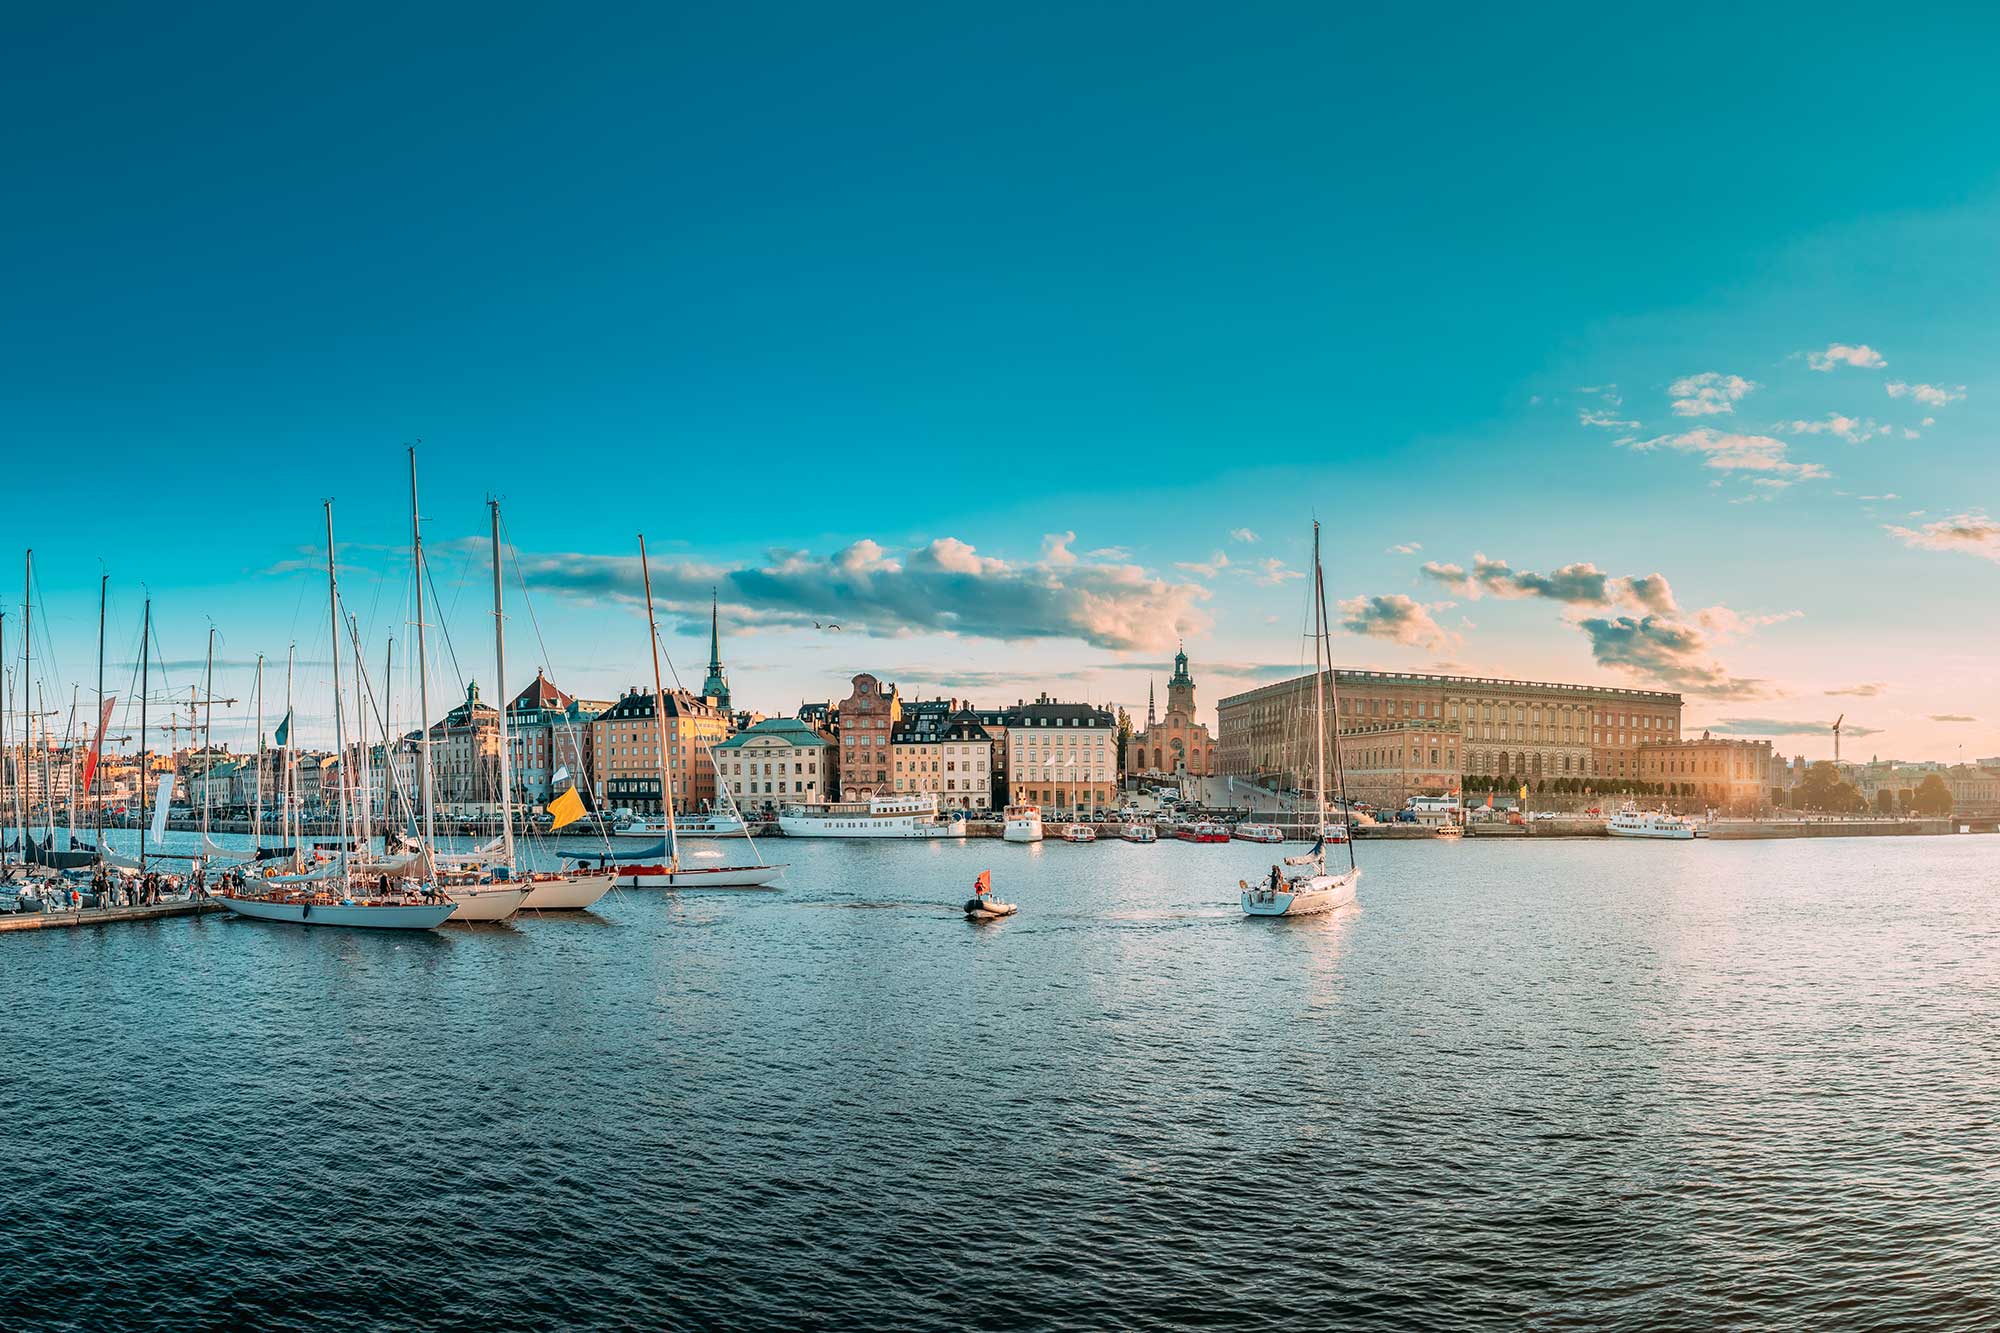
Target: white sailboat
668 872
339 903
1304 887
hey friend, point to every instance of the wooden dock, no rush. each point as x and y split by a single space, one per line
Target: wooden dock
103 916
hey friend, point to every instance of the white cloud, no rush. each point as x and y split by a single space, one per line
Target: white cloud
1708 394
1207 569
1397 618
1606 393
1666 651
1851 429
1730 452
1861 356
1578 584
1930 395
1406 548
1974 534
1268 573
1606 420
1242 535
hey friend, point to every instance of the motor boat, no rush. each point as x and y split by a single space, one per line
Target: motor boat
1024 824
1138 833
878 817
1259 833
983 906
1079 833
1204 831
1631 823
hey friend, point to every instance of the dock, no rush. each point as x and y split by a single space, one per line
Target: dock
104 916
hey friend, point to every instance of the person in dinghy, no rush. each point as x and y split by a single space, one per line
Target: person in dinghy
983 906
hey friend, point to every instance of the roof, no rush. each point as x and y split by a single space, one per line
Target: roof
787 729
1045 712
932 725
540 695
679 703
1476 684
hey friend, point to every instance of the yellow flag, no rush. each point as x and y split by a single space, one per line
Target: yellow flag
567 808
1524 796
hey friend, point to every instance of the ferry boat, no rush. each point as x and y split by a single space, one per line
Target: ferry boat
1259 833
914 816
1024 824
1138 833
1333 833
1079 833
1204 831
1630 823
713 824
1453 829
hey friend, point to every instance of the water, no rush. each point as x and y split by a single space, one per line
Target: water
1554 1085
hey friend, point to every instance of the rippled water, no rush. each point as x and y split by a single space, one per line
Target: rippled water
1552 1085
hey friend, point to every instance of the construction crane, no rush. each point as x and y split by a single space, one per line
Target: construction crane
1836 739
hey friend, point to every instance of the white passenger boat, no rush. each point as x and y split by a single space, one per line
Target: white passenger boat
1023 824
1303 886
713 824
1139 833
915 816
1629 823
1079 833
1259 833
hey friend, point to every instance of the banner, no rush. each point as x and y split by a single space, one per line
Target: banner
567 809
97 744
283 736
161 801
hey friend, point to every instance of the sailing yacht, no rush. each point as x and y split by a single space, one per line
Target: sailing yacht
1304 886
336 901
660 867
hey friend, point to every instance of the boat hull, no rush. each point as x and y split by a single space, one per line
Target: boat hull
494 902
361 916
1652 834
895 827
1310 896
718 877
566 893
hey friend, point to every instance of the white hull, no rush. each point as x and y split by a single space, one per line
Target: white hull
1684 833
1307 896
1022 830
487 902
861 826
693 828
717 877
1079 833
391 916
570 893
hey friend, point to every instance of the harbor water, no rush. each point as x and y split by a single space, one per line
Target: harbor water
1522 1084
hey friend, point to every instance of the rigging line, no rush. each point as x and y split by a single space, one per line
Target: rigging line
442 628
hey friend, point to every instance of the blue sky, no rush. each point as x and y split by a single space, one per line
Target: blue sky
773 287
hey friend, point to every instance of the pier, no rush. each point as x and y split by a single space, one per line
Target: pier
104 916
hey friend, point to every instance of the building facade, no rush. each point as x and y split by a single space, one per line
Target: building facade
1175 745
1386 763
1731 776
626 746
1061 756
465 753
944 751
867 722
1530 730
779 761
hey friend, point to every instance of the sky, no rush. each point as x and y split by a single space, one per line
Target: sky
1638 348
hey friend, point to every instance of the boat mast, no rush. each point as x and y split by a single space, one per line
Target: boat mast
26 691
97 809
660 713
1333 681
362 802
145 768
288 789
257 809
500 684
339 717
207 740
423 678
7 766
1319 695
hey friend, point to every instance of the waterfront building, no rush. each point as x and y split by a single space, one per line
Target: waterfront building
1728 775
868 718
1176 745
940 747
779 760
626 746
1530 730
1061 756
994 722
547 731
465 754
1386 763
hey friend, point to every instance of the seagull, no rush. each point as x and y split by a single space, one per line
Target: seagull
817 625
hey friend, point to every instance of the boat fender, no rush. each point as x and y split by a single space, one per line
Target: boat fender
305 910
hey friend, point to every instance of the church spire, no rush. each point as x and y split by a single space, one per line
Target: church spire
716 687
1151 716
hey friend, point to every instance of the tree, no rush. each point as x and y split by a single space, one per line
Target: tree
1885 802
1824 790
1933 799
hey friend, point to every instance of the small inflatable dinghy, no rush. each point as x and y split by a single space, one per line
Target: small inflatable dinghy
988 909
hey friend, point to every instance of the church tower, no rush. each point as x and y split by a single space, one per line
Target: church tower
716 687
1180 687
1152 716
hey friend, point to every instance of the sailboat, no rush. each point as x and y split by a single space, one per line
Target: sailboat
669 873
1304 886
567 891
336 901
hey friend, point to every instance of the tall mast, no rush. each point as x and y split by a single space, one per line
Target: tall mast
362 802
207 740
500 684
48 791
389 778
97 810
145 769
423 676
257 809
1326 641
339 717
26 691
7 766
289 791
660 713
1319 686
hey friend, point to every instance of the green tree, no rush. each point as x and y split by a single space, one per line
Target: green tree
1885 802
1933 798
1824 790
